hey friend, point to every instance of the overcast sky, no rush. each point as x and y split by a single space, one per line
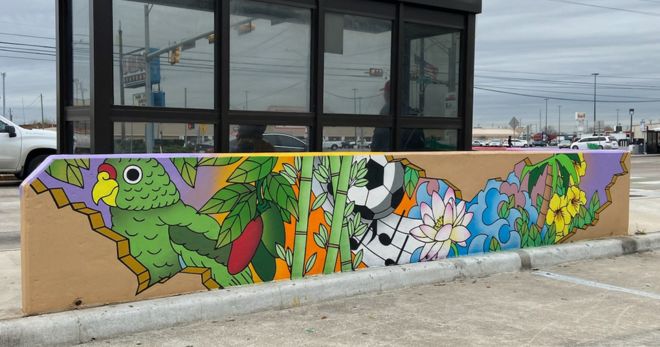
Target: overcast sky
540 48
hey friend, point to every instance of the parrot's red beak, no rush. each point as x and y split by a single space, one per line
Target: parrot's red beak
112 172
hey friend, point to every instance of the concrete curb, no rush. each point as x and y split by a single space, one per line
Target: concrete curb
81 326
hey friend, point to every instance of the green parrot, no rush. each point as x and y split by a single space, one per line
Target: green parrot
164 233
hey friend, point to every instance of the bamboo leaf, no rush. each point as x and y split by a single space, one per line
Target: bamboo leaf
495 245
253 169
223 161
351 228
187 167
362 173
357 260
226 198
324 233
318 239
353 174
320 200
360 230
349 209
236 221
310 263
297 162
319 177
290 170
280 251
74 176
328 217
288 177
289 257
362 182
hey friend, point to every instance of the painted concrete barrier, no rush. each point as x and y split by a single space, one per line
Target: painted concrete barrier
109 229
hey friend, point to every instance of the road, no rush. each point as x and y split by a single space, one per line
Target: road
9 215
596 303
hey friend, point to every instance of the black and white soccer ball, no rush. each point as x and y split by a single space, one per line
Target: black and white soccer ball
384 190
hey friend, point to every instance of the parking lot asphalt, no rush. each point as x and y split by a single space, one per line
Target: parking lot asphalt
607 302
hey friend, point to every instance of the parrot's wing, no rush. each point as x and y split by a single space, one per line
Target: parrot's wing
199 243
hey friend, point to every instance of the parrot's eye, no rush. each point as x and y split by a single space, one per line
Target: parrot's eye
132 174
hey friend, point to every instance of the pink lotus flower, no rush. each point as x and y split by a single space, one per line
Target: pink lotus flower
444 223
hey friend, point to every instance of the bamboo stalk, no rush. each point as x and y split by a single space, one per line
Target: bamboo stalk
304 196
335 163
338 214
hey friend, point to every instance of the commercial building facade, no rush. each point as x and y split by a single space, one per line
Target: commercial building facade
268 75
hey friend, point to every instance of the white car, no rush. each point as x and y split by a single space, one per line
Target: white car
595 142
22 150
478 143
519 143
494 143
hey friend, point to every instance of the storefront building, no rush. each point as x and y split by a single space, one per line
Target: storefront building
263 76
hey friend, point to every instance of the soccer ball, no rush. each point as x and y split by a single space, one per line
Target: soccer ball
384 190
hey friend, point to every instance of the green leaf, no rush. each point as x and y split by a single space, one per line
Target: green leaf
187 167
351 228
236 221
290 179
362 173
279 191
253 169
281 253
362 182
80 162
273 233
319 177
348 210
264 263
223 161
360 230
594 205
550 236
320 200
357 259
324 232
289 257
226 198
66 172
328 217
495 245
539 202
297 163
290 170
410 180
318 239
310 263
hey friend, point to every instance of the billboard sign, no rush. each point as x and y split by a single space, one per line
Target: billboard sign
135 72
580 116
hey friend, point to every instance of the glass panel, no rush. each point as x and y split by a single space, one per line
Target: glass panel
81 137
431 71
81 53
351 139
180 41
163 137
429 139
268 138
357 64
270 49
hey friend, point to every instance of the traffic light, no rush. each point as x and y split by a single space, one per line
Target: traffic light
175 55
211 38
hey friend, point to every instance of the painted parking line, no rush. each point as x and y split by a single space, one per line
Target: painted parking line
593 284
648 182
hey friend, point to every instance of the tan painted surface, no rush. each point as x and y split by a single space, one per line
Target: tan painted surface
68 265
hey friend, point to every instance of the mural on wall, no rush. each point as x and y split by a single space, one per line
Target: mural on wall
261 218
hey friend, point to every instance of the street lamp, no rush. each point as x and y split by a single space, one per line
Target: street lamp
595 76
632 133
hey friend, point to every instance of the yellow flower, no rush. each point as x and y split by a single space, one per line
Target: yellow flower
558 215
575 198
581 166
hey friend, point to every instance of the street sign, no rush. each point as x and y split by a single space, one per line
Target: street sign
580 116
135 72
514 123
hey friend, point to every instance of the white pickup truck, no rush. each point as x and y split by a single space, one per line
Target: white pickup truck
22 150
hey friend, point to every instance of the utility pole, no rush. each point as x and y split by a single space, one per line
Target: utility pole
546 118
617 117
559 124
41 96
11 116
149 127
4 74
354 100
595 76
246 99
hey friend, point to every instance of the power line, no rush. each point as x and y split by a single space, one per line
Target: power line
564 99
608 7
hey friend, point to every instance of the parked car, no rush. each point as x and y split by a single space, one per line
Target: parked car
280 142
478 143
596 142
539 143
332 145
564 144
22 150
494 143
519 143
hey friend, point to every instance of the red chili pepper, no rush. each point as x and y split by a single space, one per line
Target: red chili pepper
244 247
